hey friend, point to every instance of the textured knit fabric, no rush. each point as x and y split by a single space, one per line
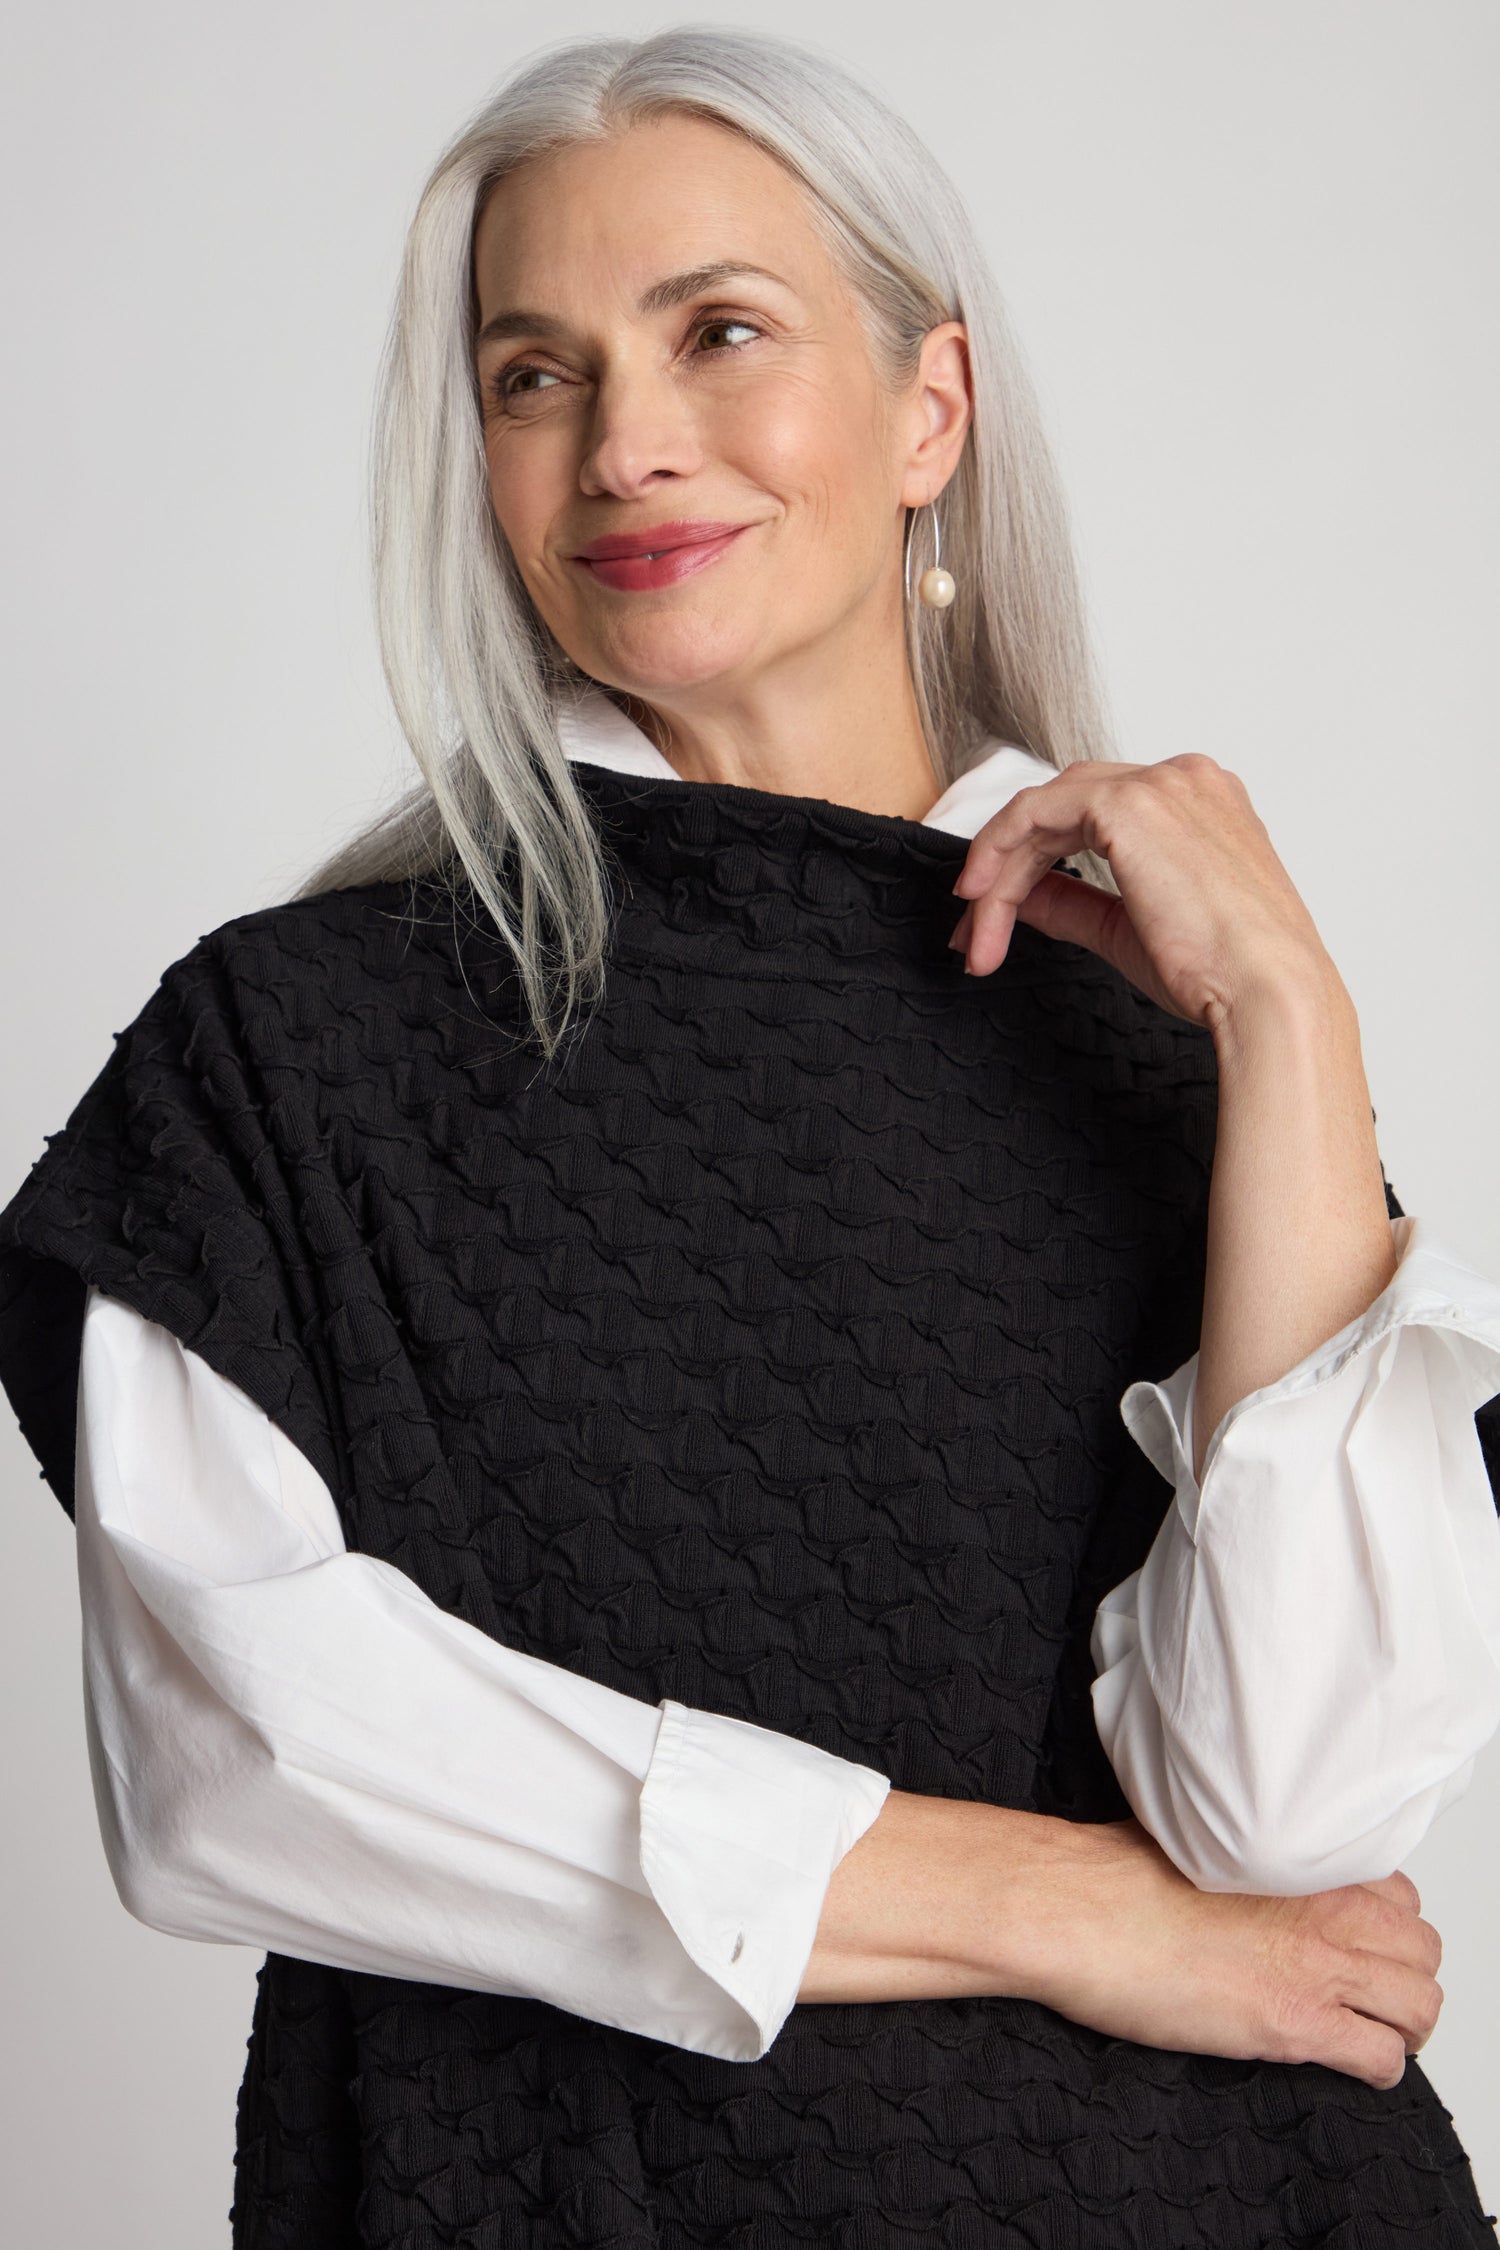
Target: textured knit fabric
764 1352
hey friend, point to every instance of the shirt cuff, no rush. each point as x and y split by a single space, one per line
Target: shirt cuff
741 1829
1431 1288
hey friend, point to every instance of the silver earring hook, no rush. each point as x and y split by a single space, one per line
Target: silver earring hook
911 525
937 544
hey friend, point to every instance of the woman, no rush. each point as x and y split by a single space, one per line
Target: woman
588 1350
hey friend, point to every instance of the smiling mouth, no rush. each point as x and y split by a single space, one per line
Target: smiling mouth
686 550
625 547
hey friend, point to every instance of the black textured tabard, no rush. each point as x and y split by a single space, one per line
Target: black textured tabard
763 1351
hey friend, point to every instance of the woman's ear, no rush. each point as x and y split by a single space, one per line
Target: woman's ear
941 409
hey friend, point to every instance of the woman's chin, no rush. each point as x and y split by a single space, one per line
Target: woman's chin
662 659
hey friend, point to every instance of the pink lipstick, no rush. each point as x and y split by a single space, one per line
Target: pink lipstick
636 561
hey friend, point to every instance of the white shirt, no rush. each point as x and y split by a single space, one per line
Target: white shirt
293 1747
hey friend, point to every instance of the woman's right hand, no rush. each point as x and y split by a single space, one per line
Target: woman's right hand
941 1898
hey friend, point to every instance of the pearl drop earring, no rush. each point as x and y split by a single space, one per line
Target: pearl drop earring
936 586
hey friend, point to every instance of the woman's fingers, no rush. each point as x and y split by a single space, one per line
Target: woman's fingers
1344 2040
1380 1918
1358 1978
1204 907
1399 1888
1063 906
1059 905
1404 1998
1008 859
991 919
1040 825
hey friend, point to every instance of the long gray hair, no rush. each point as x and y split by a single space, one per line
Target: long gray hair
476 676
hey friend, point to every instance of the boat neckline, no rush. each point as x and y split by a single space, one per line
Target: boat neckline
898 827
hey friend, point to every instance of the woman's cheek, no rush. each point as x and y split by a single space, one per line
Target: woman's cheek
778 434
524 507
816 456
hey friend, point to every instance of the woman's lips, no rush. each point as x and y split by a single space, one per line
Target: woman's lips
637 574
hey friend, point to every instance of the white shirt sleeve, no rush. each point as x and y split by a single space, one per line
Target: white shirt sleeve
293 1747
1297 1680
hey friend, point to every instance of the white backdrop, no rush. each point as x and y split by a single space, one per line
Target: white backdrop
1252 252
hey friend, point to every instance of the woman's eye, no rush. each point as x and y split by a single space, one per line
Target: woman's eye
723 328
510 384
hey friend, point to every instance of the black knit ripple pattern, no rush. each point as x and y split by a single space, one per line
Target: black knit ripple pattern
763 1352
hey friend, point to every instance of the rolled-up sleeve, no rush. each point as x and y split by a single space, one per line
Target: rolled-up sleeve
294 1747
1298 1679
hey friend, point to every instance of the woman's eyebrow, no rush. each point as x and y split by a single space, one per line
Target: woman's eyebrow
679 287
675 289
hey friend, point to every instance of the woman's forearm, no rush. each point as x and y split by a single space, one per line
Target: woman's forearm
1299 1241
942 1900
1208 923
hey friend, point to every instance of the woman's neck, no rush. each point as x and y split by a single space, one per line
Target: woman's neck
806 728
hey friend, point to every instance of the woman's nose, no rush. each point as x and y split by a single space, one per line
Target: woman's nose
642 428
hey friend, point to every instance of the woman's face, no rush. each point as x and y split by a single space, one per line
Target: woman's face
639 377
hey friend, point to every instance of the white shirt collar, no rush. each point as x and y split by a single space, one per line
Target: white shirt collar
594 730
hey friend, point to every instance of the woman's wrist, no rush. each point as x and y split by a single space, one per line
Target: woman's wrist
1293 1003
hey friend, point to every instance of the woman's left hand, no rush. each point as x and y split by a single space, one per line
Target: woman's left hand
1210 926
1207 916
